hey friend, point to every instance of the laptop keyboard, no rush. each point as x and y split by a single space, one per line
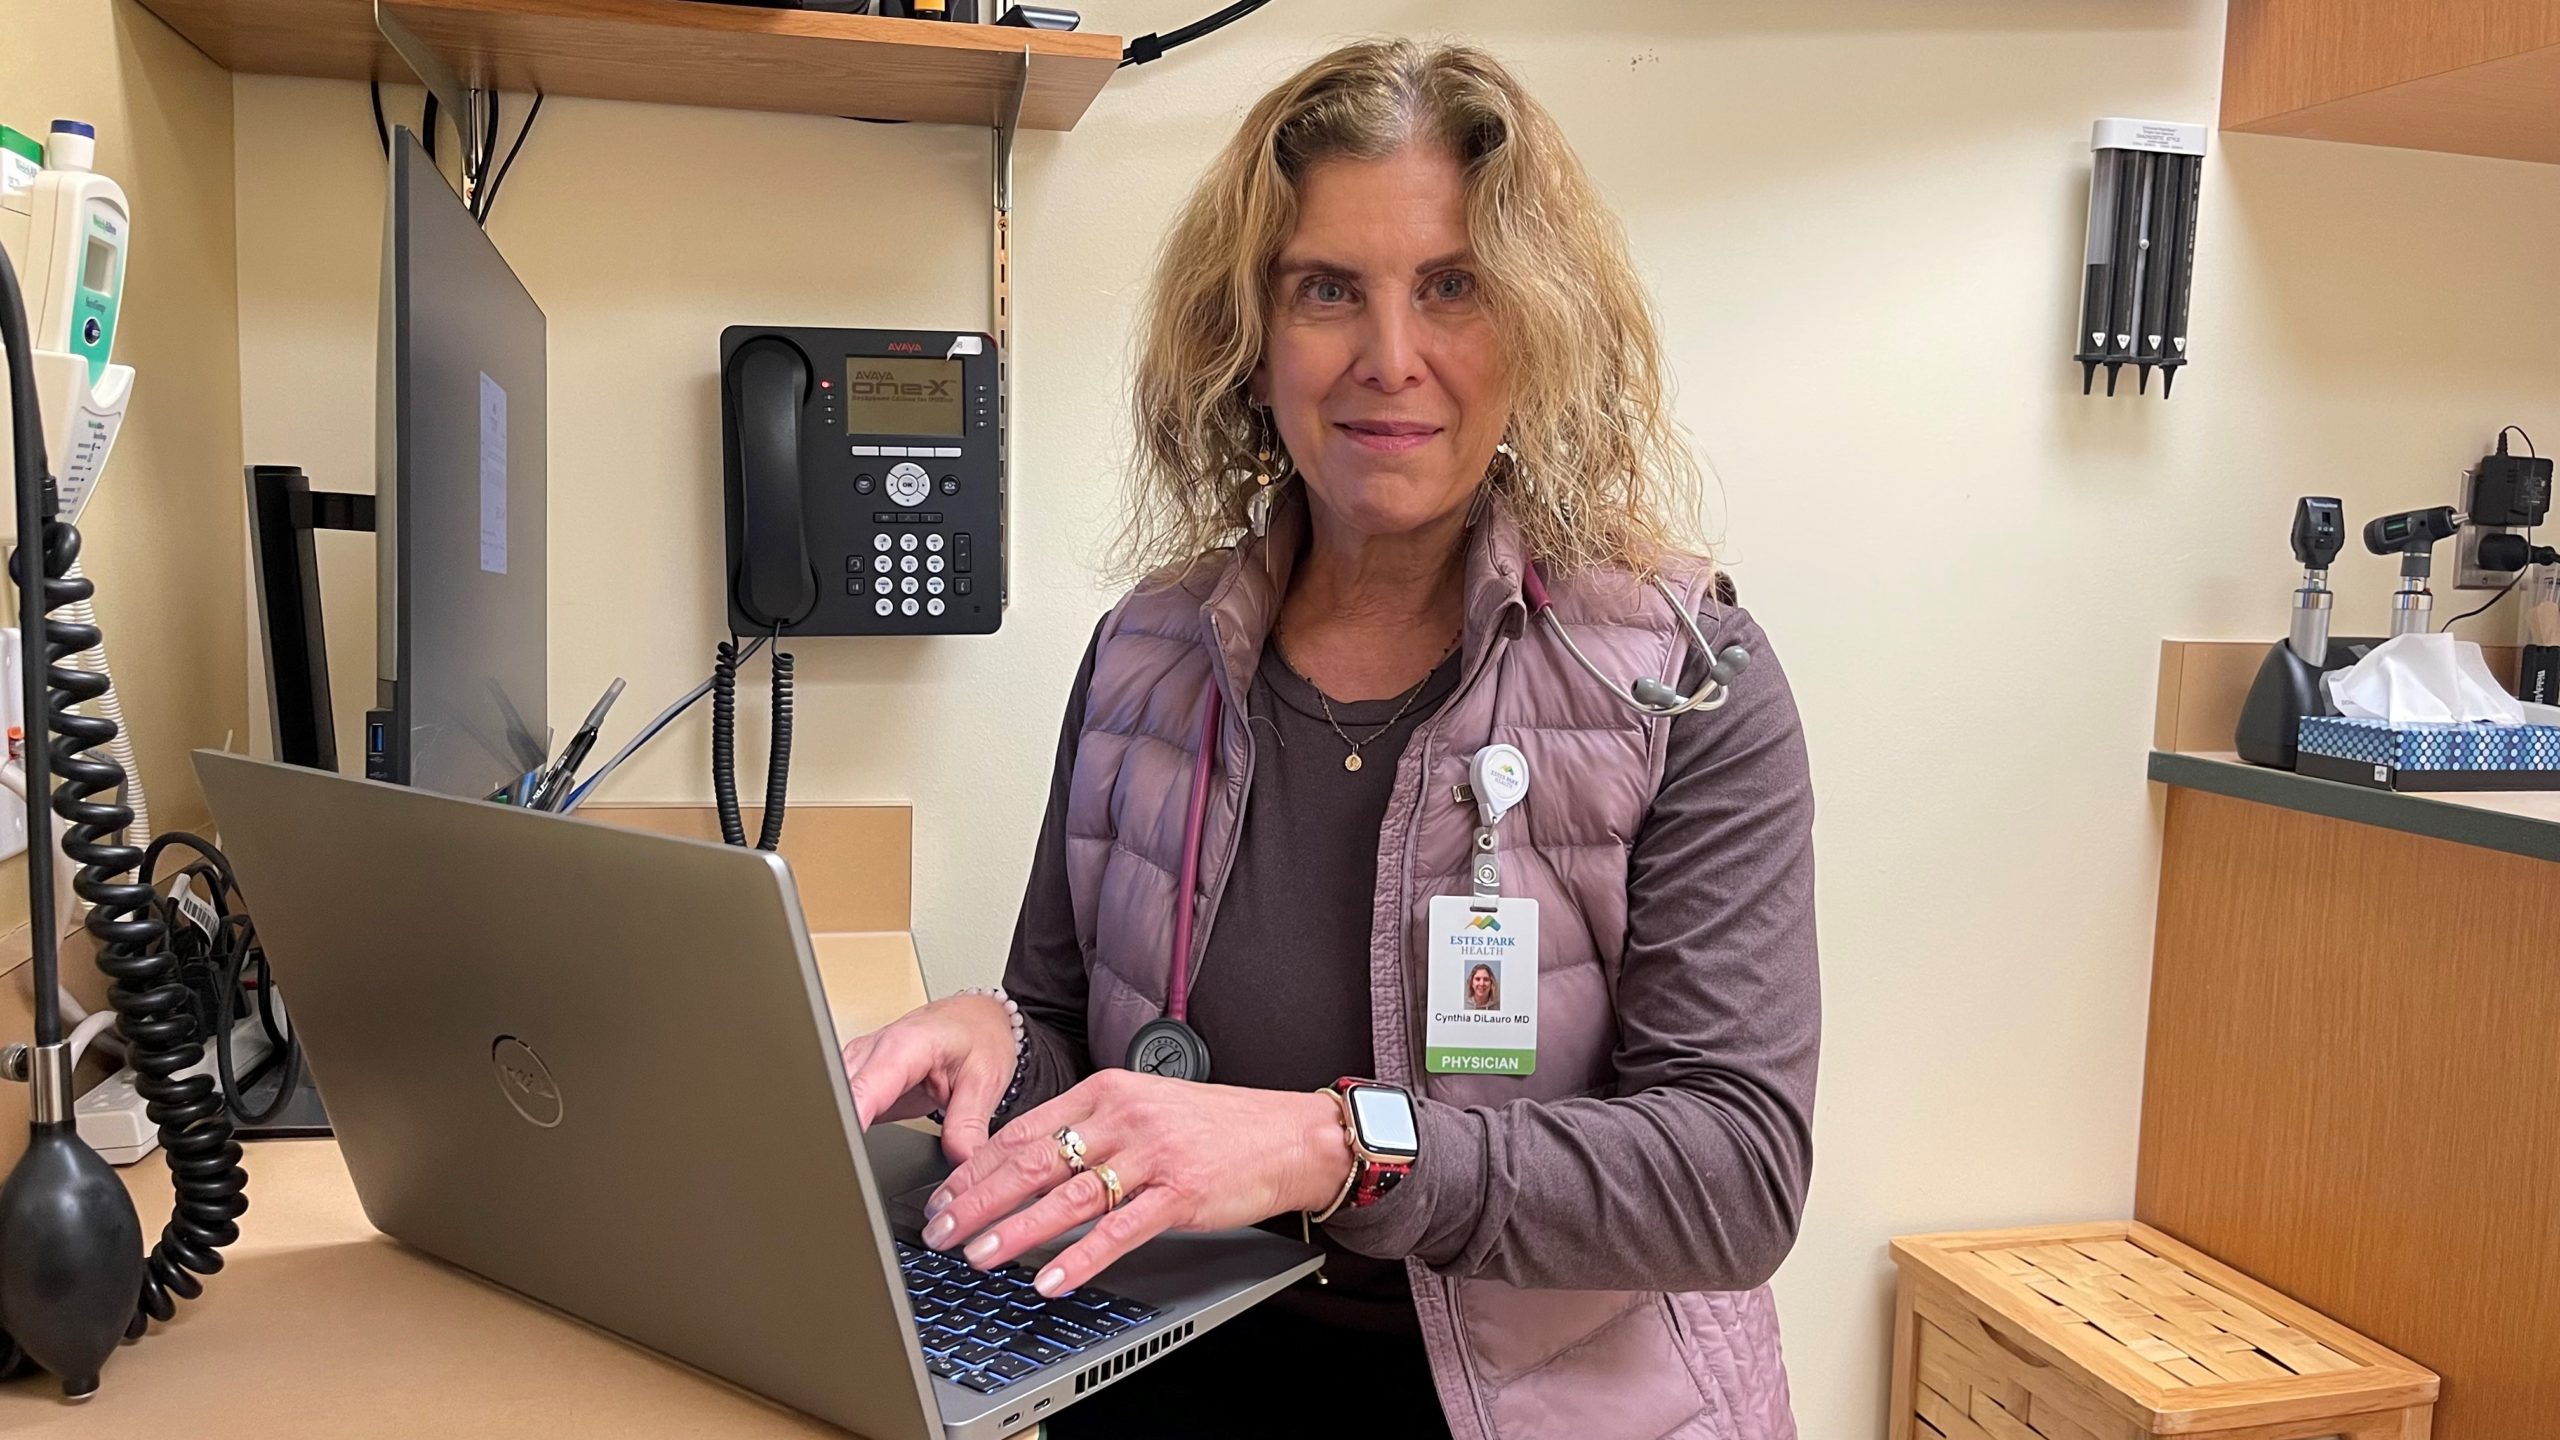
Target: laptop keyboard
990 1329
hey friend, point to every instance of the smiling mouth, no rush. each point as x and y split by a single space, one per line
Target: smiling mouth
1388 436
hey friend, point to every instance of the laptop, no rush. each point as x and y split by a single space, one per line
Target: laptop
595 1067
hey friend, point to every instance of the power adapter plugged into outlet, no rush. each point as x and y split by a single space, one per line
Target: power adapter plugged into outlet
111 1115
2503 494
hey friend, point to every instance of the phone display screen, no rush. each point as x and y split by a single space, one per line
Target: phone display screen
901 396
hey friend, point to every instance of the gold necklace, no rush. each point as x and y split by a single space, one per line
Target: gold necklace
1351 762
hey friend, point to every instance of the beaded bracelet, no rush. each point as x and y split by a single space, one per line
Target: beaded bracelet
1021 1049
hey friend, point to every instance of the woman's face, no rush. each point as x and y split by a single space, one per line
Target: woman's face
1480 984
1382 369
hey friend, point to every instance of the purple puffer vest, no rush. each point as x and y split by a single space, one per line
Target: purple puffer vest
1510 1364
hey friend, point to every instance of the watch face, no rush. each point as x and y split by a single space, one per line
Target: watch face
1385 1117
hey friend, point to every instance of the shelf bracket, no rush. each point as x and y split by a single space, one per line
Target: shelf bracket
460 101
1000 314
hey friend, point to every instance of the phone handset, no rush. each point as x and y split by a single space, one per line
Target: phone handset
769 383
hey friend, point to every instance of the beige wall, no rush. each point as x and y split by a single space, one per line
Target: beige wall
164 538
1862 219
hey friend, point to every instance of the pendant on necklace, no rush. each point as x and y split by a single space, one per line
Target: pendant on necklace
1351 762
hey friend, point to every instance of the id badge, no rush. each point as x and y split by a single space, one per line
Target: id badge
1483 996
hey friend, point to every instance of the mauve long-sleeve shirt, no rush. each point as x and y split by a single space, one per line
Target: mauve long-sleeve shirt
1689 1174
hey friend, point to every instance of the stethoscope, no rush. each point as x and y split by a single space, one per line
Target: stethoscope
1167 1045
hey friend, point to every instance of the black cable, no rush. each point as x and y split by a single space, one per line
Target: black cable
228 955
155 1011
724 742
490 197
489 123
427 125
777 769
1147 48
35 506
2529 452
213 861
381 129
240 945
2483 607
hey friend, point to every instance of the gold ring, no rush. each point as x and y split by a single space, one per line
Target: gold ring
1071 1148
1110 1183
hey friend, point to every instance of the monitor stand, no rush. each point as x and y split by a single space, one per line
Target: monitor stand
284 515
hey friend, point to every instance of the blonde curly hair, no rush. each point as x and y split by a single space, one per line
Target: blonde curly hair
1602 477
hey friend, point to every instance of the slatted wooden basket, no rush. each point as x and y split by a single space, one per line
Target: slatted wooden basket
2114 1331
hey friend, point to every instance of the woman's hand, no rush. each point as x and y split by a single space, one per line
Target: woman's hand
1188 1157
954 1055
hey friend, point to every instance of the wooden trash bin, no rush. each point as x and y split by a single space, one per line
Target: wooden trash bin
2114 1331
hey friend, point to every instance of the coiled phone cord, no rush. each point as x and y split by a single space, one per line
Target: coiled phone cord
724 742
153 1009
724 747
777 765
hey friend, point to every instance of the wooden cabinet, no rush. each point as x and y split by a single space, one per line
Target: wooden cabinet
676 52
2476 77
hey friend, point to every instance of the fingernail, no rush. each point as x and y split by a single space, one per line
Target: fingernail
1052 1282
934 1202
983 1248
938 1234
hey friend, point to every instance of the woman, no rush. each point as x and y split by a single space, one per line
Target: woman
1483 991
1396 352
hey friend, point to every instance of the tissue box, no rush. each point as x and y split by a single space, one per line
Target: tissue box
2471 755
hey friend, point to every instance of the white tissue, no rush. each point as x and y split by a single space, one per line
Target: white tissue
2422 679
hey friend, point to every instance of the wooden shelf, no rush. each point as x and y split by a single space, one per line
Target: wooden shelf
675 52
2474 77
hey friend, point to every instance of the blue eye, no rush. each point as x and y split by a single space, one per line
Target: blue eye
1453 285
1325 290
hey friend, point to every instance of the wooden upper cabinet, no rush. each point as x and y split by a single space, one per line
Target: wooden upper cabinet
2475 77
676 52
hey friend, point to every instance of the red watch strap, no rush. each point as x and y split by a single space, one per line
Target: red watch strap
1377 1177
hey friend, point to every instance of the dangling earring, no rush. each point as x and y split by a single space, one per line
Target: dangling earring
1271 465
1505 470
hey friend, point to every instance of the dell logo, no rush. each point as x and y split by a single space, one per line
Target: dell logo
526 1081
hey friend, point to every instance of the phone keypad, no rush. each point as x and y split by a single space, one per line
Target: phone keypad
921 569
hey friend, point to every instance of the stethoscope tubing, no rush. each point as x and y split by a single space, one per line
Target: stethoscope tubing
1533 590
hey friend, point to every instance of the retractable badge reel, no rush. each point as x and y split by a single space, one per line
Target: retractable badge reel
1483 1012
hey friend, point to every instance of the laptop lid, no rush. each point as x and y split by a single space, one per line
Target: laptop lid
592 1065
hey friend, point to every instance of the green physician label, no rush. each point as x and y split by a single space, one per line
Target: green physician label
1440 1060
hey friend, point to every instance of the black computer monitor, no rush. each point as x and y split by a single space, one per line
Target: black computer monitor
463 657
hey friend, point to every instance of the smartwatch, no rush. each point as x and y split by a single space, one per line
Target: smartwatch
1385 1140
